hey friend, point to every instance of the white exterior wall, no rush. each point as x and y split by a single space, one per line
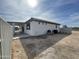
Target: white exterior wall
39 29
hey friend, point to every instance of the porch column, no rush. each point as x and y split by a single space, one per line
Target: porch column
24 28
13 24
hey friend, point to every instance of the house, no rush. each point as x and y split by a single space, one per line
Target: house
17 26
35 26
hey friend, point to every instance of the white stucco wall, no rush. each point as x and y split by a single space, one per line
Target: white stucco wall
39 29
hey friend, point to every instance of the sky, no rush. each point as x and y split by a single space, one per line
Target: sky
65 12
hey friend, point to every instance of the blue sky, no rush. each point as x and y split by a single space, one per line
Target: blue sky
61 11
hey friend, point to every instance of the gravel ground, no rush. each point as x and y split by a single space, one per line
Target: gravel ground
57 46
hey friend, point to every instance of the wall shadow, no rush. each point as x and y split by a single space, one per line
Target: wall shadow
33 46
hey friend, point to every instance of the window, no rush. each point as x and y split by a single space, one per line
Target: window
28 26
16 28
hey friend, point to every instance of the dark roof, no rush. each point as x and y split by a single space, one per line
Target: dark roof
41 20
14 22
35 19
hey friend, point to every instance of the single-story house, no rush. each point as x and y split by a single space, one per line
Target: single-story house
17 26
35 26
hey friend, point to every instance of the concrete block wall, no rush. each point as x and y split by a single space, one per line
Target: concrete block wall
6 38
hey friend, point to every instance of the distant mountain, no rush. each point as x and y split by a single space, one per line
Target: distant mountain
75 28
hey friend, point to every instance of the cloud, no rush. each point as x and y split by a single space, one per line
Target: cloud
64 2
75 16
19 10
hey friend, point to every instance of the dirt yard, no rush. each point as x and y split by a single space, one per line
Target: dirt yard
57 46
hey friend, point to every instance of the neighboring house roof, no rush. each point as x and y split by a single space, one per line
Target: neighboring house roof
14 22
41 20
36 19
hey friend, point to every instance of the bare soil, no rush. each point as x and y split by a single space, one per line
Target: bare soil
57 46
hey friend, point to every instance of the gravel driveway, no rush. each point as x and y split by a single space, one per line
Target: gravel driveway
57 46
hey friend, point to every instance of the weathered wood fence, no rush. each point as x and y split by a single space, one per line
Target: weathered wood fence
6 34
